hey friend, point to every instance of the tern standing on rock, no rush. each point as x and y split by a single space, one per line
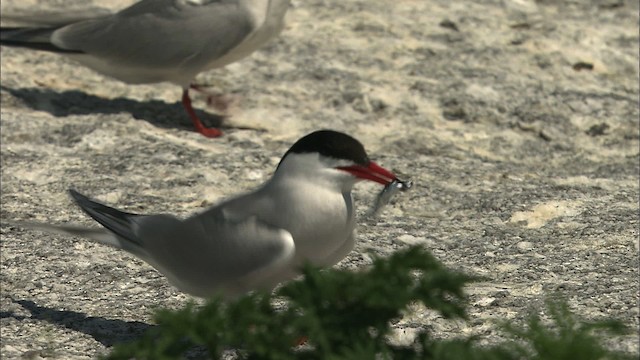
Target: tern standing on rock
256 240
156 40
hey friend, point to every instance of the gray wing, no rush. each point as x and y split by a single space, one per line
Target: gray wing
203 255
53 19
161 33
34 31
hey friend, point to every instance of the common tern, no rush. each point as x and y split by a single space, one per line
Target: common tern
156 41
303 213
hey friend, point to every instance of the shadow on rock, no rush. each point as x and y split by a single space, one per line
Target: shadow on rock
107 332
76 102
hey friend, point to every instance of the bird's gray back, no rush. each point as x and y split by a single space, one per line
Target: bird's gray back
160 34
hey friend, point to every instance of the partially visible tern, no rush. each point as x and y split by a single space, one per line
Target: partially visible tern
156 41
304 212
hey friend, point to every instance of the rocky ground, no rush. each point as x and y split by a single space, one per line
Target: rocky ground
517 120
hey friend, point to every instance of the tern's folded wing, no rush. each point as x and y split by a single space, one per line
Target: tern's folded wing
54 18
203 254
160 34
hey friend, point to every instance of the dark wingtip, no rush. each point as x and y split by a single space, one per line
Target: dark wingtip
87 204
118 222
32 38
76 195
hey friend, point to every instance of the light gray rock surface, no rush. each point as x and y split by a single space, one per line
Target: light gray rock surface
517 120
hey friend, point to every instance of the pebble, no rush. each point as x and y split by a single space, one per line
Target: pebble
525 245
411 240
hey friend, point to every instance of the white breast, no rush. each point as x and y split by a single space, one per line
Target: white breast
268 19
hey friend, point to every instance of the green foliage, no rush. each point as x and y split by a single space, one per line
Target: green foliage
566 338
361 304
347 315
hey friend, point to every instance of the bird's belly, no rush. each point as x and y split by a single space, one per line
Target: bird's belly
134 74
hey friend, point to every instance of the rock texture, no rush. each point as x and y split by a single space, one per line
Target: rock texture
517 120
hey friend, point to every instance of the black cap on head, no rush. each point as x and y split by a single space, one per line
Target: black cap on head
332 144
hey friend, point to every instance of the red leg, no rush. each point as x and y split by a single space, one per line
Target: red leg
208 132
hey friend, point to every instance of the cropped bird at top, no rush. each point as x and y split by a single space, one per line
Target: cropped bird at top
304 212
155 40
